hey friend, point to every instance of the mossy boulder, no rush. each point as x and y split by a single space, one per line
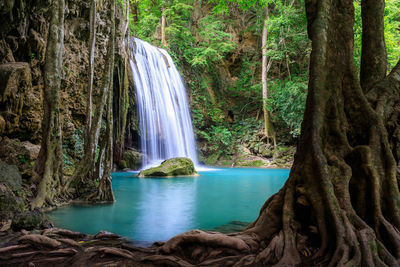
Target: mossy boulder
27 220
10 204
132 159
21 154
10 176
266 151
171 167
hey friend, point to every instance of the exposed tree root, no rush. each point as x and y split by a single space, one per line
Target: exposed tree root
39 241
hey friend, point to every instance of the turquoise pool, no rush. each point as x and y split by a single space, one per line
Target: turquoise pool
156 209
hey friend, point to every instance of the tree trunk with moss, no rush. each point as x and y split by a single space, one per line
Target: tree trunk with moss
121 99
268 128
89 93
373 54
84 182
341 203
48 170
104 188
163 25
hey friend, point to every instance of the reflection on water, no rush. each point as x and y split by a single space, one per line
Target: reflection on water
158 208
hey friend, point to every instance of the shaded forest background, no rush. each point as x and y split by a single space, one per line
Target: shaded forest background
218 48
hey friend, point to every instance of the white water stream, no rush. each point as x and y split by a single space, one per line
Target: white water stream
165 122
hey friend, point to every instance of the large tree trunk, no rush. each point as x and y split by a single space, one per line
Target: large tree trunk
121 101
48 168
268 128
104 189
264 72
84 180
340 205
89 94
373 53
163 23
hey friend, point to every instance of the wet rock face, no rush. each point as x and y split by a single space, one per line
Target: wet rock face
15 97
10 187
23 38
171 167
133 159
21 154
10 176
9 203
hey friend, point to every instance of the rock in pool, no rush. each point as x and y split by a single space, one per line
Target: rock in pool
171 167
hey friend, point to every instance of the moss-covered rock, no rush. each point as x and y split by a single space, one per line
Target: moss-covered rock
171 167
266 151
27 220
21 154
132 159
10 176
10 204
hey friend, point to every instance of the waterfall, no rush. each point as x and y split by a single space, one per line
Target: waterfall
165 125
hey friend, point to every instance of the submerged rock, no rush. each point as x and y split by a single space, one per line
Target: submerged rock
171 167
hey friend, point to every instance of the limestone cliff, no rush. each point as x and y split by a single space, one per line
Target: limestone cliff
23 36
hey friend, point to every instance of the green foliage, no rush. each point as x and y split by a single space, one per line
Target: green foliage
148 19
177 31
67 160
222 6
226 138
286 102
287 37
147 26
78 142
21 158
357 33
214 44
392 32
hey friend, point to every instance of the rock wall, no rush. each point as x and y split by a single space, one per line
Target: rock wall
23 37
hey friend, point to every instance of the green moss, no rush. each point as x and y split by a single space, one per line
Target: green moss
21 158
211 160
251 163
132 159
27 220
171 167
255 163
225 163
123 164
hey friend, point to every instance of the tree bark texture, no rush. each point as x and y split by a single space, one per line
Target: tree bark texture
84 180
121 106
163 23
340 205
373 53
104 189
89 94
268 128
121 99
264 71
49 163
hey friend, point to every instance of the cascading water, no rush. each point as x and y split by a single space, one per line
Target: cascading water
165 123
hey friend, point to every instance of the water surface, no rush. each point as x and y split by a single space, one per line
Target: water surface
156 209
